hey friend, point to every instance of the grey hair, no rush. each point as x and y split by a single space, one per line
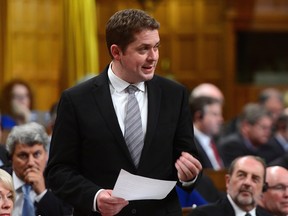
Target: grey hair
29 134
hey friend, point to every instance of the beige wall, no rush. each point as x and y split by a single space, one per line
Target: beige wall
197 44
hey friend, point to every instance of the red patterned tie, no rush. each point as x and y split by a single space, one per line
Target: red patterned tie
216 154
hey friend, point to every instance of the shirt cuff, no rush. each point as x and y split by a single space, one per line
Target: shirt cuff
187 184
95 207
40 196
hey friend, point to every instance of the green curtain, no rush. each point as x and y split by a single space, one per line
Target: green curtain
80 40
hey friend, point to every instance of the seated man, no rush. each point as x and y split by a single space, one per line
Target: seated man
207 121
244 183
255 129
275 196
27 146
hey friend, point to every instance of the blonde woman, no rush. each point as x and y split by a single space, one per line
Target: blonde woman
7 193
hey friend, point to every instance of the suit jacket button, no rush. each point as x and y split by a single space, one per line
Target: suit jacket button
133 211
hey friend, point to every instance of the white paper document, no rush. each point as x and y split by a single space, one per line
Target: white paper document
133 187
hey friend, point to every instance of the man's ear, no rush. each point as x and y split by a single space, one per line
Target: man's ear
198 115
116 52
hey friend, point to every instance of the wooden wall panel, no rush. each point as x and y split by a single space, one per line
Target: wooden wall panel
212 60
34 47
197 42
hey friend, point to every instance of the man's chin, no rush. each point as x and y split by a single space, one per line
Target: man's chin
148 76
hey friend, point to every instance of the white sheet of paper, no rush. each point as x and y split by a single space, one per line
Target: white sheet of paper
133 187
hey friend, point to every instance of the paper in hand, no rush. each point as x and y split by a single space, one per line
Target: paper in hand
133 187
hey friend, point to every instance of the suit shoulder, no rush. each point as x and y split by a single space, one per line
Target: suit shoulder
167 83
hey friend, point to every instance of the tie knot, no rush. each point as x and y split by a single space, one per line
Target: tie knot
26 188
131 89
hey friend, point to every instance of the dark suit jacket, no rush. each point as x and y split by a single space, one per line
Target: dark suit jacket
281 161
51 205
205 161
220 208
233 146
273 150
88 148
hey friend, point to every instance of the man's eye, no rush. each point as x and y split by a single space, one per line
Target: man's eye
23 156
37 154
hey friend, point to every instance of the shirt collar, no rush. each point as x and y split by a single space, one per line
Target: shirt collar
203 138
17 182
120 85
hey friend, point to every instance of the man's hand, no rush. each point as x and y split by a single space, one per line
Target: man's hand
108 205
21 111
34 176
188 167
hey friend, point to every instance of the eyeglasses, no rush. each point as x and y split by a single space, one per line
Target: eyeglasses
279 187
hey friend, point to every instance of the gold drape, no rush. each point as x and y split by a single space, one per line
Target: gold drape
80 40
3 20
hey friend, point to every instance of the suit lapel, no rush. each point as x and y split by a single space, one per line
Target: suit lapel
102 96
154 99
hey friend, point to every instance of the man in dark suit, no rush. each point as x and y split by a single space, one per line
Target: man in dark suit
207 120
278 144
253 136
88 147
27 146
244 182
275 197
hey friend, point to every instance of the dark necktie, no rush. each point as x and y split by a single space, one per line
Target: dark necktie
28 206
247 214
133 126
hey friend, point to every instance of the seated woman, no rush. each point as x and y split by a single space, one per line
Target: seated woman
17 107
7 193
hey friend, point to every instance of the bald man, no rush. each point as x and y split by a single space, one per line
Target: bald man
275 198
208 90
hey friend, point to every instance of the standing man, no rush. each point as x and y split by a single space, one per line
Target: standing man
275 197
244 182
27 146
91 137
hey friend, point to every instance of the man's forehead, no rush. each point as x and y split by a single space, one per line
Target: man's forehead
23 146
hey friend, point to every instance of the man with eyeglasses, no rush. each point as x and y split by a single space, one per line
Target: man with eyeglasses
275 196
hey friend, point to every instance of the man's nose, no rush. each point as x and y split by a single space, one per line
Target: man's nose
31 160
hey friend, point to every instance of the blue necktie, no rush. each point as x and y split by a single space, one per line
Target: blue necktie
28 206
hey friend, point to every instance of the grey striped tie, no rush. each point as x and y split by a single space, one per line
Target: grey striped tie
133 126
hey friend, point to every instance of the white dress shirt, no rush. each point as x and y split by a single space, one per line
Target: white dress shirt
120 98
204 141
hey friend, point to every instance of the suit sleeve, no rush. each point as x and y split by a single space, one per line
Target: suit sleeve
51 205
63 172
